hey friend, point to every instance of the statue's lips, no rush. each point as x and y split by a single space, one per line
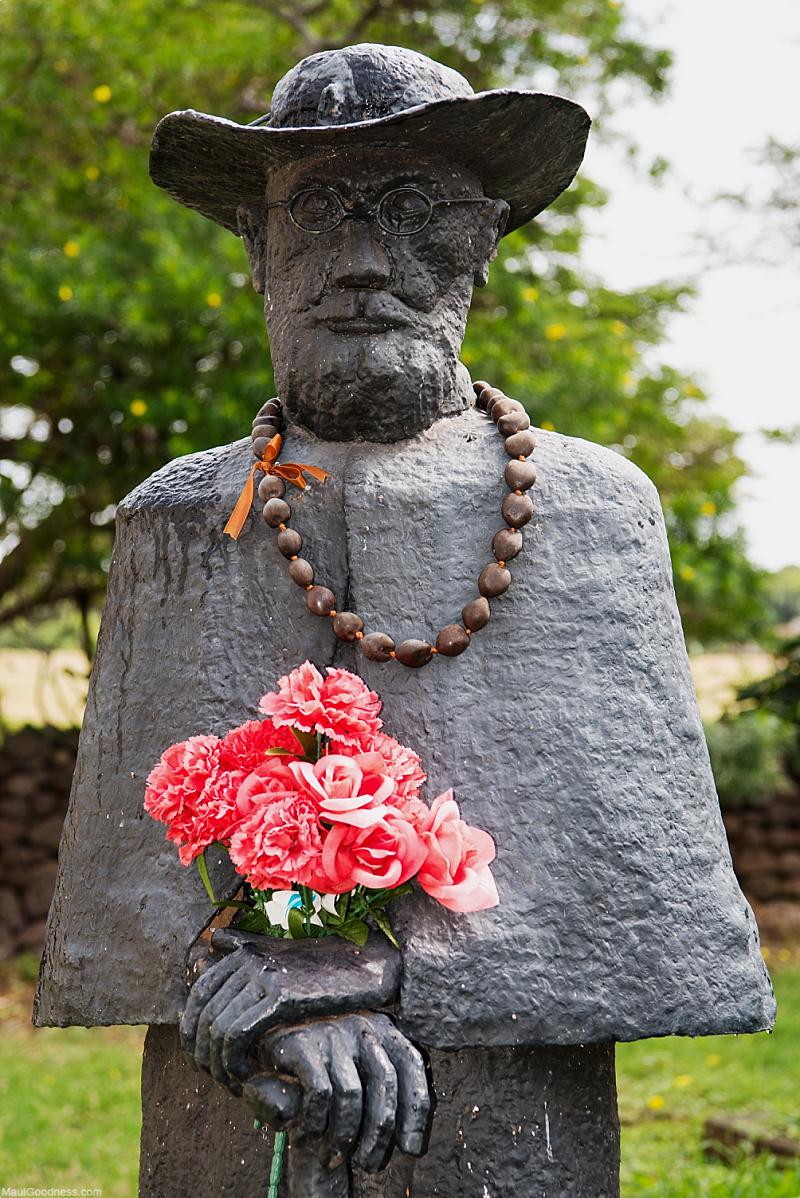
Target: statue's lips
353 319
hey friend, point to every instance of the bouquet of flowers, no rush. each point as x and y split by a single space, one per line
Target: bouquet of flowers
321 814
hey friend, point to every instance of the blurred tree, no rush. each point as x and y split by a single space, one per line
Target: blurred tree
129 333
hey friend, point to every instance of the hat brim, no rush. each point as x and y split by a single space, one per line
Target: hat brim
525 147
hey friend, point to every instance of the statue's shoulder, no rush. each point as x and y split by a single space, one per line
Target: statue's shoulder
581 474
200 479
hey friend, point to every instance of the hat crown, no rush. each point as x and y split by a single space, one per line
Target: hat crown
360 83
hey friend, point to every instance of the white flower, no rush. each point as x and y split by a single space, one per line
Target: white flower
283 901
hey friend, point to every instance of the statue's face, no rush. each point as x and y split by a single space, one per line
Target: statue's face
366 293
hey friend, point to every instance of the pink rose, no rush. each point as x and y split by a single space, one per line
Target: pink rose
279 845
401 763
456 869
340 706
380 856
347 790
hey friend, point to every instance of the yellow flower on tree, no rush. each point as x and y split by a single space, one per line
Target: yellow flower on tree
709 508
554 332
530 295
92 173
656 1102
687 573
72 249
64 293
102 94
138 407
214 299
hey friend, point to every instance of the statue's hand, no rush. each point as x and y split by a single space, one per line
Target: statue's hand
261 983
363 1087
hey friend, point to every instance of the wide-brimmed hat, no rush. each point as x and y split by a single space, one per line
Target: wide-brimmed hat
524 146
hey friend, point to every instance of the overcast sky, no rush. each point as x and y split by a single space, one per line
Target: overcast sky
736 81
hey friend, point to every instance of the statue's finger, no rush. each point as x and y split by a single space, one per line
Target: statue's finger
227 940
413 1092
302 1054
214 1008
346 1100
203 989
379 1083
244 1031
276 1101
238 1004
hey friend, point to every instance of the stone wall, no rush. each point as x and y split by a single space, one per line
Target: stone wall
765 845
36 767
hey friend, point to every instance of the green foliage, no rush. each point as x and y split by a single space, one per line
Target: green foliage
748 753
783 593
131 335
779 695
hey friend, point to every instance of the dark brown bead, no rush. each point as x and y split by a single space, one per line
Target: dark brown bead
513 422
452 640
276 511
271 408
377 646
414 653
259 445
301 572
263 430
321 601
494 580
346 624
519 445
520 475
481 390
506 544
271 487
505 407
493 394
476 614
289 542
517 510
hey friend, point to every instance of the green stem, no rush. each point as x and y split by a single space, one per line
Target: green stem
202 869
308 908
276 1168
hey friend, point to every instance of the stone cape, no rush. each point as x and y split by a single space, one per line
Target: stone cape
569 730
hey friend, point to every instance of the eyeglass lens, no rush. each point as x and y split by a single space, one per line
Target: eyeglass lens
402 211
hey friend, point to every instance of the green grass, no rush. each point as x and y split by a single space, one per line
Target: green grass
69 1103
668 1088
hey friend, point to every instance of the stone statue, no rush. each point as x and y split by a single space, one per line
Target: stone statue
370 201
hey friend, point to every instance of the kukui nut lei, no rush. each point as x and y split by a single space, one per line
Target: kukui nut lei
494 580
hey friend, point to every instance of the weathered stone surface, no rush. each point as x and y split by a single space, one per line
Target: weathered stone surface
549 1130
568 729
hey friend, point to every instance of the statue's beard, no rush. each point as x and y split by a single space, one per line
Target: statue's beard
370 387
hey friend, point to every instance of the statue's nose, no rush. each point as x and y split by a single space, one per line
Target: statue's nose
362 261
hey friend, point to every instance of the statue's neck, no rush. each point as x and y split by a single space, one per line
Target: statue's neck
383 409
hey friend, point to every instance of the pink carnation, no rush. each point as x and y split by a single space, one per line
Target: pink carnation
272 781
280 845
179 790
456 867
245 748
340 706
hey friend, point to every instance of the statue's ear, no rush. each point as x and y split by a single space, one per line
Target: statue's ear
253 232
491 230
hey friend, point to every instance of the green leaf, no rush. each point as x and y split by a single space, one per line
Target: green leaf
382 920
253 921
279 752
202 869
307 742
297 927
354 930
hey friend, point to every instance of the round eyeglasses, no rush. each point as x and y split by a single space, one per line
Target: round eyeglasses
401 211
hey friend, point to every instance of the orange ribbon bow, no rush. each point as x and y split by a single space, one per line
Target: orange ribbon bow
291 472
